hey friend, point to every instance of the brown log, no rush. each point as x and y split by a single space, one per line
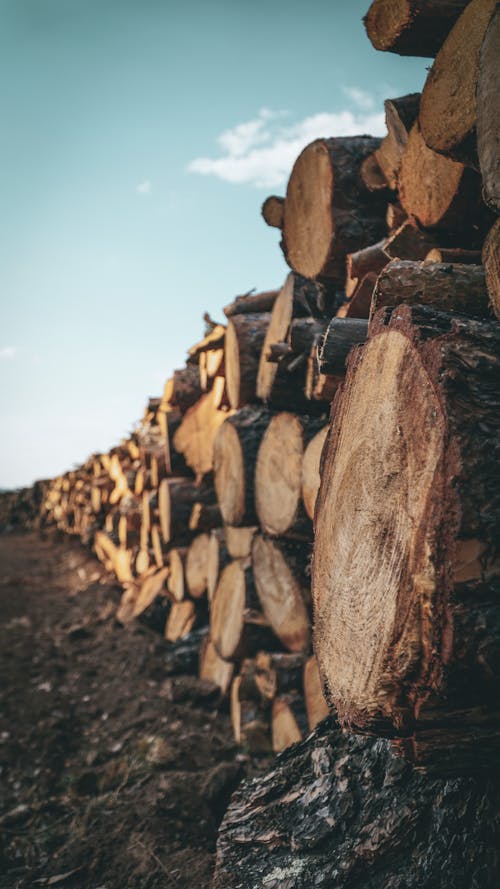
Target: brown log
251 725
454 254
195 436
204 517
288 721
310 471
176 498
372 176
488 124
316 706
358 306
176 573
323 221
244 340
272 211
410 27
448 126
342 335
214 668
238 628
371 259
252 303
277 475
450 287
218 558
277 673
304 333
181 620
283 586
414 523
388 156
339 810
440 193
319 387
197 565
400 115
491 261
409 242
183 389
235 451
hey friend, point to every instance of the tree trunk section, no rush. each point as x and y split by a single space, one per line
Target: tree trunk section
244 341
252 303
238 628
445 286
413 521
197 566
283 586
410 27
272 211
342 335
488 122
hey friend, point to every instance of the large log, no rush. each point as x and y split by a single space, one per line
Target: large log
448 107
450 287
244 341
488 118
491 261
280 570
440 193
323 221
409 513
342 335
238 628
235 452
411 27
342 811
278 475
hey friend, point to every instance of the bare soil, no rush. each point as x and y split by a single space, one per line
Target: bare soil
112 774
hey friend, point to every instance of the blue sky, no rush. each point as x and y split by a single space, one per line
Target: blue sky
139 139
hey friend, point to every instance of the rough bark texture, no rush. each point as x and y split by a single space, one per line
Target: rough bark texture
184 388
344 812
488 118
251 303
414 521
410 27
323 219
450 287
342 335
235 452
448 126
370 259
491 261
244 341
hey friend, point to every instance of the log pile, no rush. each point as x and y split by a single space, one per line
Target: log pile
352 415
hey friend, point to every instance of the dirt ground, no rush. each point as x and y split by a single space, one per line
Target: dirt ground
113 775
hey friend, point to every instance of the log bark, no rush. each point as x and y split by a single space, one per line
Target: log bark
205 517
183 389
410 27
277 475
272 211
244 341
448 127
238 628
251 303
371 259
310 471
322 220
488 123
414 522
235 451
342 335
280 570
342 811
197 566
440 193
449 287
359 305
491 261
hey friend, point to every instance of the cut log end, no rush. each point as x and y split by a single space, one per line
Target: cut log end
280 595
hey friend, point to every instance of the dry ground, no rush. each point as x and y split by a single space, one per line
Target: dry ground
112 774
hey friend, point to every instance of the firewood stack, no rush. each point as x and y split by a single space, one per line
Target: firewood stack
387 324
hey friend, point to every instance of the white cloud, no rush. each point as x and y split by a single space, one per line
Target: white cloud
262 151
144 187
360 97
7 352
